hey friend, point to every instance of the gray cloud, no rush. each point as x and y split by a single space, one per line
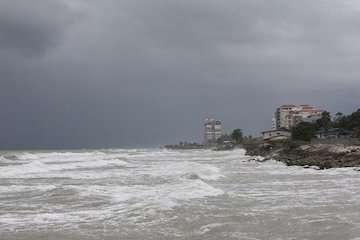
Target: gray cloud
32 27
148 72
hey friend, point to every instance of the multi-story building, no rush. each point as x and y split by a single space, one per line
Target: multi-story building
212 132
288 116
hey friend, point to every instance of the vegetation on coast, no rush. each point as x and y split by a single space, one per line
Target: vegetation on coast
301 151
306 131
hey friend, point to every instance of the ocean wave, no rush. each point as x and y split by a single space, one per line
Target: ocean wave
164 196
37 168
179 169
139 189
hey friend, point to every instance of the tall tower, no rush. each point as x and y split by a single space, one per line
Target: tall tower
212 131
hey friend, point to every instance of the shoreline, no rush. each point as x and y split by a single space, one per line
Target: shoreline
317 156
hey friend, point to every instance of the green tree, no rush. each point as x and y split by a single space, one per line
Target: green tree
349 122
338 116
353 120
237 136
325 121
340 120
304 131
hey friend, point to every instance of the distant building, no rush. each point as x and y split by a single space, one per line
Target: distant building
333 133
288 116
276 135
212 131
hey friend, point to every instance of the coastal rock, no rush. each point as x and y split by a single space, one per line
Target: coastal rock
315 156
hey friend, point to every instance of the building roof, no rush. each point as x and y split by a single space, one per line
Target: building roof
287 106
303 107
276 130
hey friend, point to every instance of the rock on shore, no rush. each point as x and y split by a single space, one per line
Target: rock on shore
321 155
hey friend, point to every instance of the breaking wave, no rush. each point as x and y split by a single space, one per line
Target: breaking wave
161 194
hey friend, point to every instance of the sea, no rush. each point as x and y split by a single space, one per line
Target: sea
140 194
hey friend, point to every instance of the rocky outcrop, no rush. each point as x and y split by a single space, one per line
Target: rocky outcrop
321 155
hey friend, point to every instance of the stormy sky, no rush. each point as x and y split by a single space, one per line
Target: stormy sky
122 73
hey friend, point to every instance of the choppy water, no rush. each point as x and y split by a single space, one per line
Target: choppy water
158 194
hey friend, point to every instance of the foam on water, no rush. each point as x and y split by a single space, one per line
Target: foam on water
12 189
160 182
57 164
176 169
212 195
27 156
162 196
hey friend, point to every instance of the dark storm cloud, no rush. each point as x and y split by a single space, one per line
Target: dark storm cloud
31 27
140 72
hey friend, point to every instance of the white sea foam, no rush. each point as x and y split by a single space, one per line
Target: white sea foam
27 156
209 227
4 160
156 190
45 167
13 222
181 168
24 188
162 196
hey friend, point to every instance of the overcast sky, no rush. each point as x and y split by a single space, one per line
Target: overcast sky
122 73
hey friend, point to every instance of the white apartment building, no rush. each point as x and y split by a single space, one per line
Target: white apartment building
288 116
212 132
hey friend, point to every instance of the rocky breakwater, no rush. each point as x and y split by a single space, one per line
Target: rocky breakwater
323 156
